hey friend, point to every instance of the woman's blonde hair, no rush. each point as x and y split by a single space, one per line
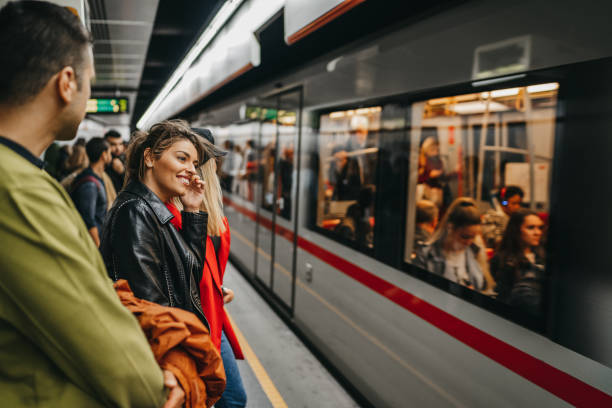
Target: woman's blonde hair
213 198
461 213
427 144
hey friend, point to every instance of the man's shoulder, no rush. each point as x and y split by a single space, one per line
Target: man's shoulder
19 174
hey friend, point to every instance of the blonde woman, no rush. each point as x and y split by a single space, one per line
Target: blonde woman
212 292
452 252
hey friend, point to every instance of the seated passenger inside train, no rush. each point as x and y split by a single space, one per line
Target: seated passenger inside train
452 252
357 224
427 214
507 201
518 265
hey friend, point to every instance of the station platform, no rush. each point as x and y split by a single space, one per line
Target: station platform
278 370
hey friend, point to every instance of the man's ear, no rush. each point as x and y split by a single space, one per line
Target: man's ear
67 84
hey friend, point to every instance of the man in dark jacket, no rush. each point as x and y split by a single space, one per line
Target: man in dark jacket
87 189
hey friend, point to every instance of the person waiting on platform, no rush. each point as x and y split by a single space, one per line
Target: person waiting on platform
74 165
212 292
494 221
116 168
88 188
426 221
452 252
138 243
518 265
67 341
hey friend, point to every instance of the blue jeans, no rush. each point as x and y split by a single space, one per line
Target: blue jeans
234 395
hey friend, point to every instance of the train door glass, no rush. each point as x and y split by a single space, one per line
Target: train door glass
284 190
264 186
275 192
478 190
238 186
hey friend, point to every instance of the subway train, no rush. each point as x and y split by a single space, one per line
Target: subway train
328 164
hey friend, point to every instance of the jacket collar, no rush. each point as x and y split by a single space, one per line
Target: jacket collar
159 208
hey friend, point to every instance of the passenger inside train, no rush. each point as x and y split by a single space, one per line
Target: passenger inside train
348 156
503 172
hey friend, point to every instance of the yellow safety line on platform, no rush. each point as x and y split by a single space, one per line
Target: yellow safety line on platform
266 383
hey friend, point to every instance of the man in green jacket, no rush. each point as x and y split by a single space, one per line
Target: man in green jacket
65 339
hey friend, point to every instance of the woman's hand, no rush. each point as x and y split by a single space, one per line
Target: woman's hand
228 295
176 396
192 199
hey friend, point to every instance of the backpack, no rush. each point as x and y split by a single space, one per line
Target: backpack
75 185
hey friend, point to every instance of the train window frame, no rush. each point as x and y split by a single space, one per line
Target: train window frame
406 100
313 192
534 323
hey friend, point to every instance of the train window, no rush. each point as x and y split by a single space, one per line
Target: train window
347 150
479 187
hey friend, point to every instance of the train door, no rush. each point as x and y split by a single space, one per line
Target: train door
277 189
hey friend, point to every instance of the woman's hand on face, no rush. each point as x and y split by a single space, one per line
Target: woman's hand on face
193 195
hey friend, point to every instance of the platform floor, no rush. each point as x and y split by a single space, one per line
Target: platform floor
278 371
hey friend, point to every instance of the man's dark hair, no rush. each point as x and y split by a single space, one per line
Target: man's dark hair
95 147
112 134
510 191
37 40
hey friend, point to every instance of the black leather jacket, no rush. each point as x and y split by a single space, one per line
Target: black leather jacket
161 264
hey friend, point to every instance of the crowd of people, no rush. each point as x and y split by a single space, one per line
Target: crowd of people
499 252
149 220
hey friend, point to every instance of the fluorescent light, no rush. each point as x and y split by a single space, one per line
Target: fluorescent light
500 93
220 19
553 86
470 108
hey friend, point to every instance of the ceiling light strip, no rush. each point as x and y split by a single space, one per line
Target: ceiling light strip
219 20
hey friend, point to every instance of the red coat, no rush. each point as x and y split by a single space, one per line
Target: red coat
210 286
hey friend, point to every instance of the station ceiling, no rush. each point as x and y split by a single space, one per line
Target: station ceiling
138 44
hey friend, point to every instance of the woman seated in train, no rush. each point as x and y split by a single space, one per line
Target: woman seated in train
452 252
138 242
518 265
507 201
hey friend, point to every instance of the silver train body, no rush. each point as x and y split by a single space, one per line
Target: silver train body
399 336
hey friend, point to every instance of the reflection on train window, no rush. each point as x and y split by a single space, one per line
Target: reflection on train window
348 148
275 169
255 168
481 188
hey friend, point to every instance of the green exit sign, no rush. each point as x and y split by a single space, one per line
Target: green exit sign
107 105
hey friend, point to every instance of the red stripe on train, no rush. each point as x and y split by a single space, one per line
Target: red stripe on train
553 380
